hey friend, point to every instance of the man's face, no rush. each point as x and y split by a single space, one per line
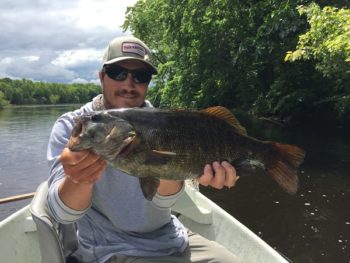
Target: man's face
124 93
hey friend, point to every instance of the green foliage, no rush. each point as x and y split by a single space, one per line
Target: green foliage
343 105
218 52
327 41
327 44
231 53
3 101
19 92
197 47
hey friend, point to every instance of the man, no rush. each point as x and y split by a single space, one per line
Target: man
115 222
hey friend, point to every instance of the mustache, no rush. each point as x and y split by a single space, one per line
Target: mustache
124 92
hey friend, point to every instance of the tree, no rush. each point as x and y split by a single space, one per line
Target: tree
230 53
215 52
327 41
3 101
198 47
25 91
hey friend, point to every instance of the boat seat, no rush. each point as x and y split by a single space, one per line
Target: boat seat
57 241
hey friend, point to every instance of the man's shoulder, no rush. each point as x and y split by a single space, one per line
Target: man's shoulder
71 114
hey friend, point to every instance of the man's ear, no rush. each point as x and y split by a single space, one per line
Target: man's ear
101 75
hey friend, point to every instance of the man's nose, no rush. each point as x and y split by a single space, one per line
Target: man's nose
129 81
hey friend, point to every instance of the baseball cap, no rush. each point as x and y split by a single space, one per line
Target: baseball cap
128 47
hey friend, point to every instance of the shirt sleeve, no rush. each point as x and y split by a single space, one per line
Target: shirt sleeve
168 201
59 211
58 139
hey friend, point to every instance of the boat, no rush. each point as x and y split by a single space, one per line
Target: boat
30 235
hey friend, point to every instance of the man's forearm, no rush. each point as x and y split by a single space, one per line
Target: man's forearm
169 187
76 196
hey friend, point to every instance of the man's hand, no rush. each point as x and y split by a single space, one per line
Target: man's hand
219 175
82 167
82 170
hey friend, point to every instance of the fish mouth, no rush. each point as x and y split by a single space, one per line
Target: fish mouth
128 145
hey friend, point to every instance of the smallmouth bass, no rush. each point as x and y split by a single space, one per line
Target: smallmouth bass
176 144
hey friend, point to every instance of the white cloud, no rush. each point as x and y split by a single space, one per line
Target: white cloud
61 41
40 69
109 14
73 58
31 58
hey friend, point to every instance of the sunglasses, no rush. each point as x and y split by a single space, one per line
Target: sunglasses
119 73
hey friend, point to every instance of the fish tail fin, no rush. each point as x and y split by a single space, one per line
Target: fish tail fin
283 168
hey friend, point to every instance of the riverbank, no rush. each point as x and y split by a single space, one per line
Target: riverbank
323 116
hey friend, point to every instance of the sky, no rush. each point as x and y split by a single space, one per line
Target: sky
57 41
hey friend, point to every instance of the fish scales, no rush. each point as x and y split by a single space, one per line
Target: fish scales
176 144
176 131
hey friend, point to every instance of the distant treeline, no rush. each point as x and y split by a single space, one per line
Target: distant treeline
22 92
279 59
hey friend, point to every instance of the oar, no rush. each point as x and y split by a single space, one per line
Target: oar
16 198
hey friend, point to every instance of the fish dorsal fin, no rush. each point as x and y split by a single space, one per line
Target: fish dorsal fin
226 115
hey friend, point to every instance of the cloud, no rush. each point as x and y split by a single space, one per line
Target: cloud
57 41
36 68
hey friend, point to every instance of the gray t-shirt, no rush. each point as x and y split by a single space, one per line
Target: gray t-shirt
120 220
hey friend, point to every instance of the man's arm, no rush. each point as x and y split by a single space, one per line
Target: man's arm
82 170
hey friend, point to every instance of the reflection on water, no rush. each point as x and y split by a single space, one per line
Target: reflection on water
24 132
311 226
314 224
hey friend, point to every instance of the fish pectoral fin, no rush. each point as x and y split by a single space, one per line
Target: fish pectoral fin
149 186
156 157
164 153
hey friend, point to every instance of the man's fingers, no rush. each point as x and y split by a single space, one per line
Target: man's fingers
89 159
219 177
82 167
94 173
72 158
207 175
80 159
89 174
231 176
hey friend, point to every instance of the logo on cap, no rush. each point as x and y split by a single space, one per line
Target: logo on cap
135 48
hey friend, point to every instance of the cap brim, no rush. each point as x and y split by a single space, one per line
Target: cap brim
149 65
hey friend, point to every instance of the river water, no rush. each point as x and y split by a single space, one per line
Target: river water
311 226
